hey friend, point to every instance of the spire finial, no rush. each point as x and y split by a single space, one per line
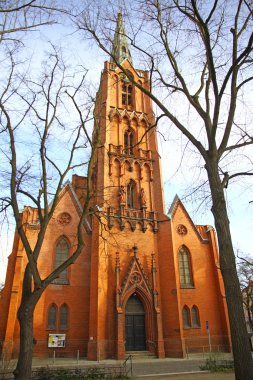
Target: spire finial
135 249
120 48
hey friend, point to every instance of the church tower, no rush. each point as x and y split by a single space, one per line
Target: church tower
142 290
128 186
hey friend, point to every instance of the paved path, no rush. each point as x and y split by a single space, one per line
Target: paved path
164 366
175 368
145 368
193 376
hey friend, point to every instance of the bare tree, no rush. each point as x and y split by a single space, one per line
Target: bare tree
39 109
36 110
245 273
199 56
16 18
19 16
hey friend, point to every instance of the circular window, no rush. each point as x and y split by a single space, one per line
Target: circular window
181 230
135 278
64 218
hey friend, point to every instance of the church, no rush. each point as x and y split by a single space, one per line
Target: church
146 281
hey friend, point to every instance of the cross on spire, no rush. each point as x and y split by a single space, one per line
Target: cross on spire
120 49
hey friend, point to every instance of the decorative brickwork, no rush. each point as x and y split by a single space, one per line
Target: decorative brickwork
64 218
181 230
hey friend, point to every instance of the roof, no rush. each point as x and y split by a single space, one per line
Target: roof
120 48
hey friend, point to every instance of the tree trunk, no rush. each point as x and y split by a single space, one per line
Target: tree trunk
240 341
23 370
249 317
29 300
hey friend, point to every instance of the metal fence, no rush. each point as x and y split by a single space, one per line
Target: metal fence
206 345
120 371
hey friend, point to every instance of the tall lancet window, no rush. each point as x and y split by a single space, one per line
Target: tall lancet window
186 317
128 142
62 253
124 52
185 270
51 318
63 325
195 317
126 94
130 194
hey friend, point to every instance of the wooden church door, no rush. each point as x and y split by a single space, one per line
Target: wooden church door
135 333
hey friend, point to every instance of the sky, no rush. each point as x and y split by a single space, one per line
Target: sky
178 175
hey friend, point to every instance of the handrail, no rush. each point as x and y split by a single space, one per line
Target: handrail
129 358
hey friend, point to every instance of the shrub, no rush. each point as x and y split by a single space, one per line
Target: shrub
214 365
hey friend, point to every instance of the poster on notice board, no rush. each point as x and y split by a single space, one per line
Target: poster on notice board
56 340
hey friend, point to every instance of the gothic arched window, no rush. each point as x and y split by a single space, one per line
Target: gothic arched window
124 52
126 94
195 317
130 194
51 318
186 317
186 279
61 255
63 324
128 141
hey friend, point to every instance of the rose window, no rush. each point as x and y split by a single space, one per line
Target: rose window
64 218
181 230
135 278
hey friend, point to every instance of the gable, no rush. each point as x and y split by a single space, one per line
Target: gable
181 218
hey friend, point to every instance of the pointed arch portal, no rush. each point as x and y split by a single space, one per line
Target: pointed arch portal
135 332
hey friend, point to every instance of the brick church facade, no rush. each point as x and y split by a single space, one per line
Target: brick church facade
145 281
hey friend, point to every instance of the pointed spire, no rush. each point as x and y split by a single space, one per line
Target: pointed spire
120 47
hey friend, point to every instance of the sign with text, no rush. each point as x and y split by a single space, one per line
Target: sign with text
56 340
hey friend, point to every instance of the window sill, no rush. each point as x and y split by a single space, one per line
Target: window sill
187 286
56 331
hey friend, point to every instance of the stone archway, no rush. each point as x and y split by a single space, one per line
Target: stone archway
137 317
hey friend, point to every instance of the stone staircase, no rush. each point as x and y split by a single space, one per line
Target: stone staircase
141 355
